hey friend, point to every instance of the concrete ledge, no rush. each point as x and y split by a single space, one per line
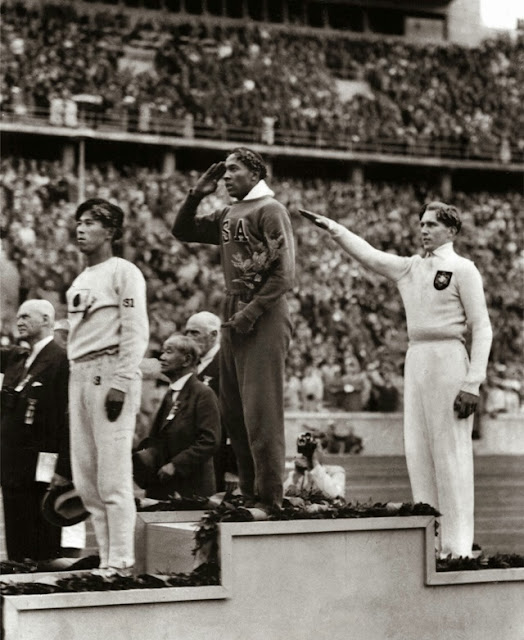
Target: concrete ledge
503 435
436 578
110 598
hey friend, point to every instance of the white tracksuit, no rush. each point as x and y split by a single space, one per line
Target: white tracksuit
442 296
107 341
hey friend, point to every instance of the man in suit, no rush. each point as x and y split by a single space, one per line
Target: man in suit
34 433
185 432
204 328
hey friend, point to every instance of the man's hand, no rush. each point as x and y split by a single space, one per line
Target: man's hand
315 218
465 404
114 403
166 472
208 181
240 323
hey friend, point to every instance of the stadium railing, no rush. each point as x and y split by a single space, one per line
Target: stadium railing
166 126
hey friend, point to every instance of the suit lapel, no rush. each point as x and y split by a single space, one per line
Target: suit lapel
163 411
212 368
39 365
16 371
42 360
182 396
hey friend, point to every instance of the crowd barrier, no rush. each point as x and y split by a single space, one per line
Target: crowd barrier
382 435
280 138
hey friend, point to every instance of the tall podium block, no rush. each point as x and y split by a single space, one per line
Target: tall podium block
169 547
145 521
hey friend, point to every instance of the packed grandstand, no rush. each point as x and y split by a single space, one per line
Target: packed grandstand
308 87
270 86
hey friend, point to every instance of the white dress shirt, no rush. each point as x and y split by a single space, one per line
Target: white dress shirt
37 347
205 360
176 387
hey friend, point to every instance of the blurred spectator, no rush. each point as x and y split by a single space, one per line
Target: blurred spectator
293 390
503 394
386 387
312 389
341 438
9 291
356 387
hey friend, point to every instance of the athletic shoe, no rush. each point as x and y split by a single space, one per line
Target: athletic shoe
113 572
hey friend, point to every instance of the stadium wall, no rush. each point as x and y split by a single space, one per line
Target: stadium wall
382 433
464 23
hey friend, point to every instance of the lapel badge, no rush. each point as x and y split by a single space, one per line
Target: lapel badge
442 280
174 411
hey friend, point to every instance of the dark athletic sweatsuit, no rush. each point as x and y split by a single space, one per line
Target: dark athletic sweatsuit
258 258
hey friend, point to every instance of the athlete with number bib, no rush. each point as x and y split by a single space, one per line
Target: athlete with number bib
109 334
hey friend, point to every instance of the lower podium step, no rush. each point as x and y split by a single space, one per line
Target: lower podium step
169 547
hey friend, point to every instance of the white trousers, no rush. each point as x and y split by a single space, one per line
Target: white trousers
438 446
101 458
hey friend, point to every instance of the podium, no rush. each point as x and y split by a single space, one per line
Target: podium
363 578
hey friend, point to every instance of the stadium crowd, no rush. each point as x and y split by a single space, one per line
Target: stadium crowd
349 335
326 87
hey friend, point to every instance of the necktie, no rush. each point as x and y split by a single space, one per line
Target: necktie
171 405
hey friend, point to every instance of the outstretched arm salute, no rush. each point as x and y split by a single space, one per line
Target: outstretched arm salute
385 264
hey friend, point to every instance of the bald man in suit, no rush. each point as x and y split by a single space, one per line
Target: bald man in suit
34 433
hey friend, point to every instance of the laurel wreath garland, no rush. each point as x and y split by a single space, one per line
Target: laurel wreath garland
253 270
206 545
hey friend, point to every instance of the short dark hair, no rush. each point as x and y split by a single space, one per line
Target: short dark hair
445 213
110 215
251 159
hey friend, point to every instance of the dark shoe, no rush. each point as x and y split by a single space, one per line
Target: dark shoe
85 564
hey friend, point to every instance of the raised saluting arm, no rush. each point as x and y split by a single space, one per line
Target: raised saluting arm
381 262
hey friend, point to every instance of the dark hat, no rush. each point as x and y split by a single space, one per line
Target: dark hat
63 507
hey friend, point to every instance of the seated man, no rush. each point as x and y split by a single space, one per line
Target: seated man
177 457
310 477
